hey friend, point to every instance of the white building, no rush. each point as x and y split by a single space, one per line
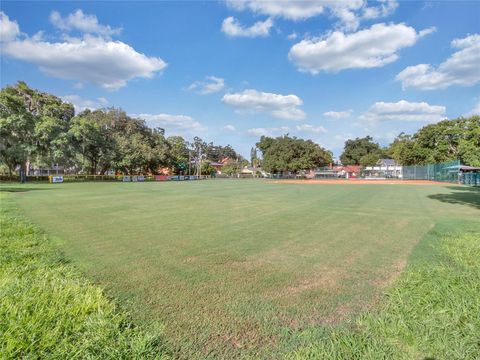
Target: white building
385 168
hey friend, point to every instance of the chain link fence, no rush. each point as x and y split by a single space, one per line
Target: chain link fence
451 171
445 172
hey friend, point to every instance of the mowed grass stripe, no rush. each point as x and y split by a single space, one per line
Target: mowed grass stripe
229 266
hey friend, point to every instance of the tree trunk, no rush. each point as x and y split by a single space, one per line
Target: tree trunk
23 174
93 169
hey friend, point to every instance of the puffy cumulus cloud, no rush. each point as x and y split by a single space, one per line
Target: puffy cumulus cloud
81 22
9 30
373 47
109 64
210 85
278 106
229 128
273 131
336 115
311 129
94 59
232 27
81 104
174 124
404 111
462 68
348 12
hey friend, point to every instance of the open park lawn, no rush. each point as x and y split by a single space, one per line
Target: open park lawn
244 267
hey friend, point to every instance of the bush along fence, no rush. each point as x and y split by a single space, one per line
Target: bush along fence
104 178
124 178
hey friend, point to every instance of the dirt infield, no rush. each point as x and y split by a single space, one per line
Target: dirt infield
358 182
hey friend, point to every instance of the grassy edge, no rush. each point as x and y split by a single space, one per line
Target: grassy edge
431 312
48 309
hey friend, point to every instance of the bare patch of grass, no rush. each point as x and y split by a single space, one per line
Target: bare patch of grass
432 312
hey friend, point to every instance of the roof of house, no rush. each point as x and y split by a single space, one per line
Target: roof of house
347 168
352 168
463 167
387 162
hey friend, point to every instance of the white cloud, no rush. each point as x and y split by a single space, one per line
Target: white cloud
109 64
336 142
232 27
336 115
229 127
475 110
404 111
292 36
173 124
462 68
273 131
210 85
311 129
348 12
292 10
278 106
81 104
369 48
9 30
81 22
177 121
385 8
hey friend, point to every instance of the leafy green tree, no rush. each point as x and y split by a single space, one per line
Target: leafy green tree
254 160
208 169
369 159
178 153
358 148
265 143
138 148
91 140
33 127
457 139
232 168
291 154
406 151
17 142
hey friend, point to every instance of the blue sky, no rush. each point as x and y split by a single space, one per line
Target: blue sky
232 71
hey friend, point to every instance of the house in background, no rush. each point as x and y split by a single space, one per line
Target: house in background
349 171
250 171
219 165
338 171
384 168
54 169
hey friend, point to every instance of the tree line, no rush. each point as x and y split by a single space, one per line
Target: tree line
39 129
457 139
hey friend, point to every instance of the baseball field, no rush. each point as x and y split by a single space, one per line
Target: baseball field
247 268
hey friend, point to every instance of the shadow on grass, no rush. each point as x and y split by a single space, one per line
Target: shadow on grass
463 195
19 189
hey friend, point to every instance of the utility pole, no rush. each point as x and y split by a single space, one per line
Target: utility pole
199 161
189 161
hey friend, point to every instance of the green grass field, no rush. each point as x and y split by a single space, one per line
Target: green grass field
249 268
